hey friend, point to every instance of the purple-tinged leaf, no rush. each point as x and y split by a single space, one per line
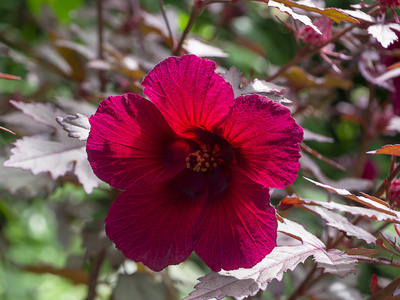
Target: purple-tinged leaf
77 126
350 183
25 125
335 262
370 201
38 154
341 223
384 33
262 87
335 14
393 217
73 106
242 283
44 113
299 17
360 15
23 183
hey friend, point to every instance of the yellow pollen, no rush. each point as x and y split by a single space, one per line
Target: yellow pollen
202 160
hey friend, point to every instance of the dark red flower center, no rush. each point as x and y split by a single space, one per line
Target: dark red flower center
208 168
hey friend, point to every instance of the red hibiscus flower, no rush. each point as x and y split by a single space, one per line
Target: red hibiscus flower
195 164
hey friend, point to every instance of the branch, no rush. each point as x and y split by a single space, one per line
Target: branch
94 273
100 55
171 36
195 12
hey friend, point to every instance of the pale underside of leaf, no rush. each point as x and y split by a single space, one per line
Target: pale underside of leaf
39 155
384 33
299 17
77 126
341 223
242 283
354 210
335 14
372 202
261 87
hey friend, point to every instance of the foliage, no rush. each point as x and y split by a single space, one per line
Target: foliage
336 68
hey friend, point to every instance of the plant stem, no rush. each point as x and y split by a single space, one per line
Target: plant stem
379 192
311 51
100 41
171 36
195 12
94 274
299 291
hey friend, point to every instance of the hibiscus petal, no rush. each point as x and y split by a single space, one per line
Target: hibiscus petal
236 228
188 92
154 225
265 139
131 144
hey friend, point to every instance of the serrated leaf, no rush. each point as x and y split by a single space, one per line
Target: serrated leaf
43 113
384 33
23 183
370 201
285 8
387 149
335 262
262 87
242 283
358 14
57 155
394 217
234 77
335 14
341 223
77 126
38 154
